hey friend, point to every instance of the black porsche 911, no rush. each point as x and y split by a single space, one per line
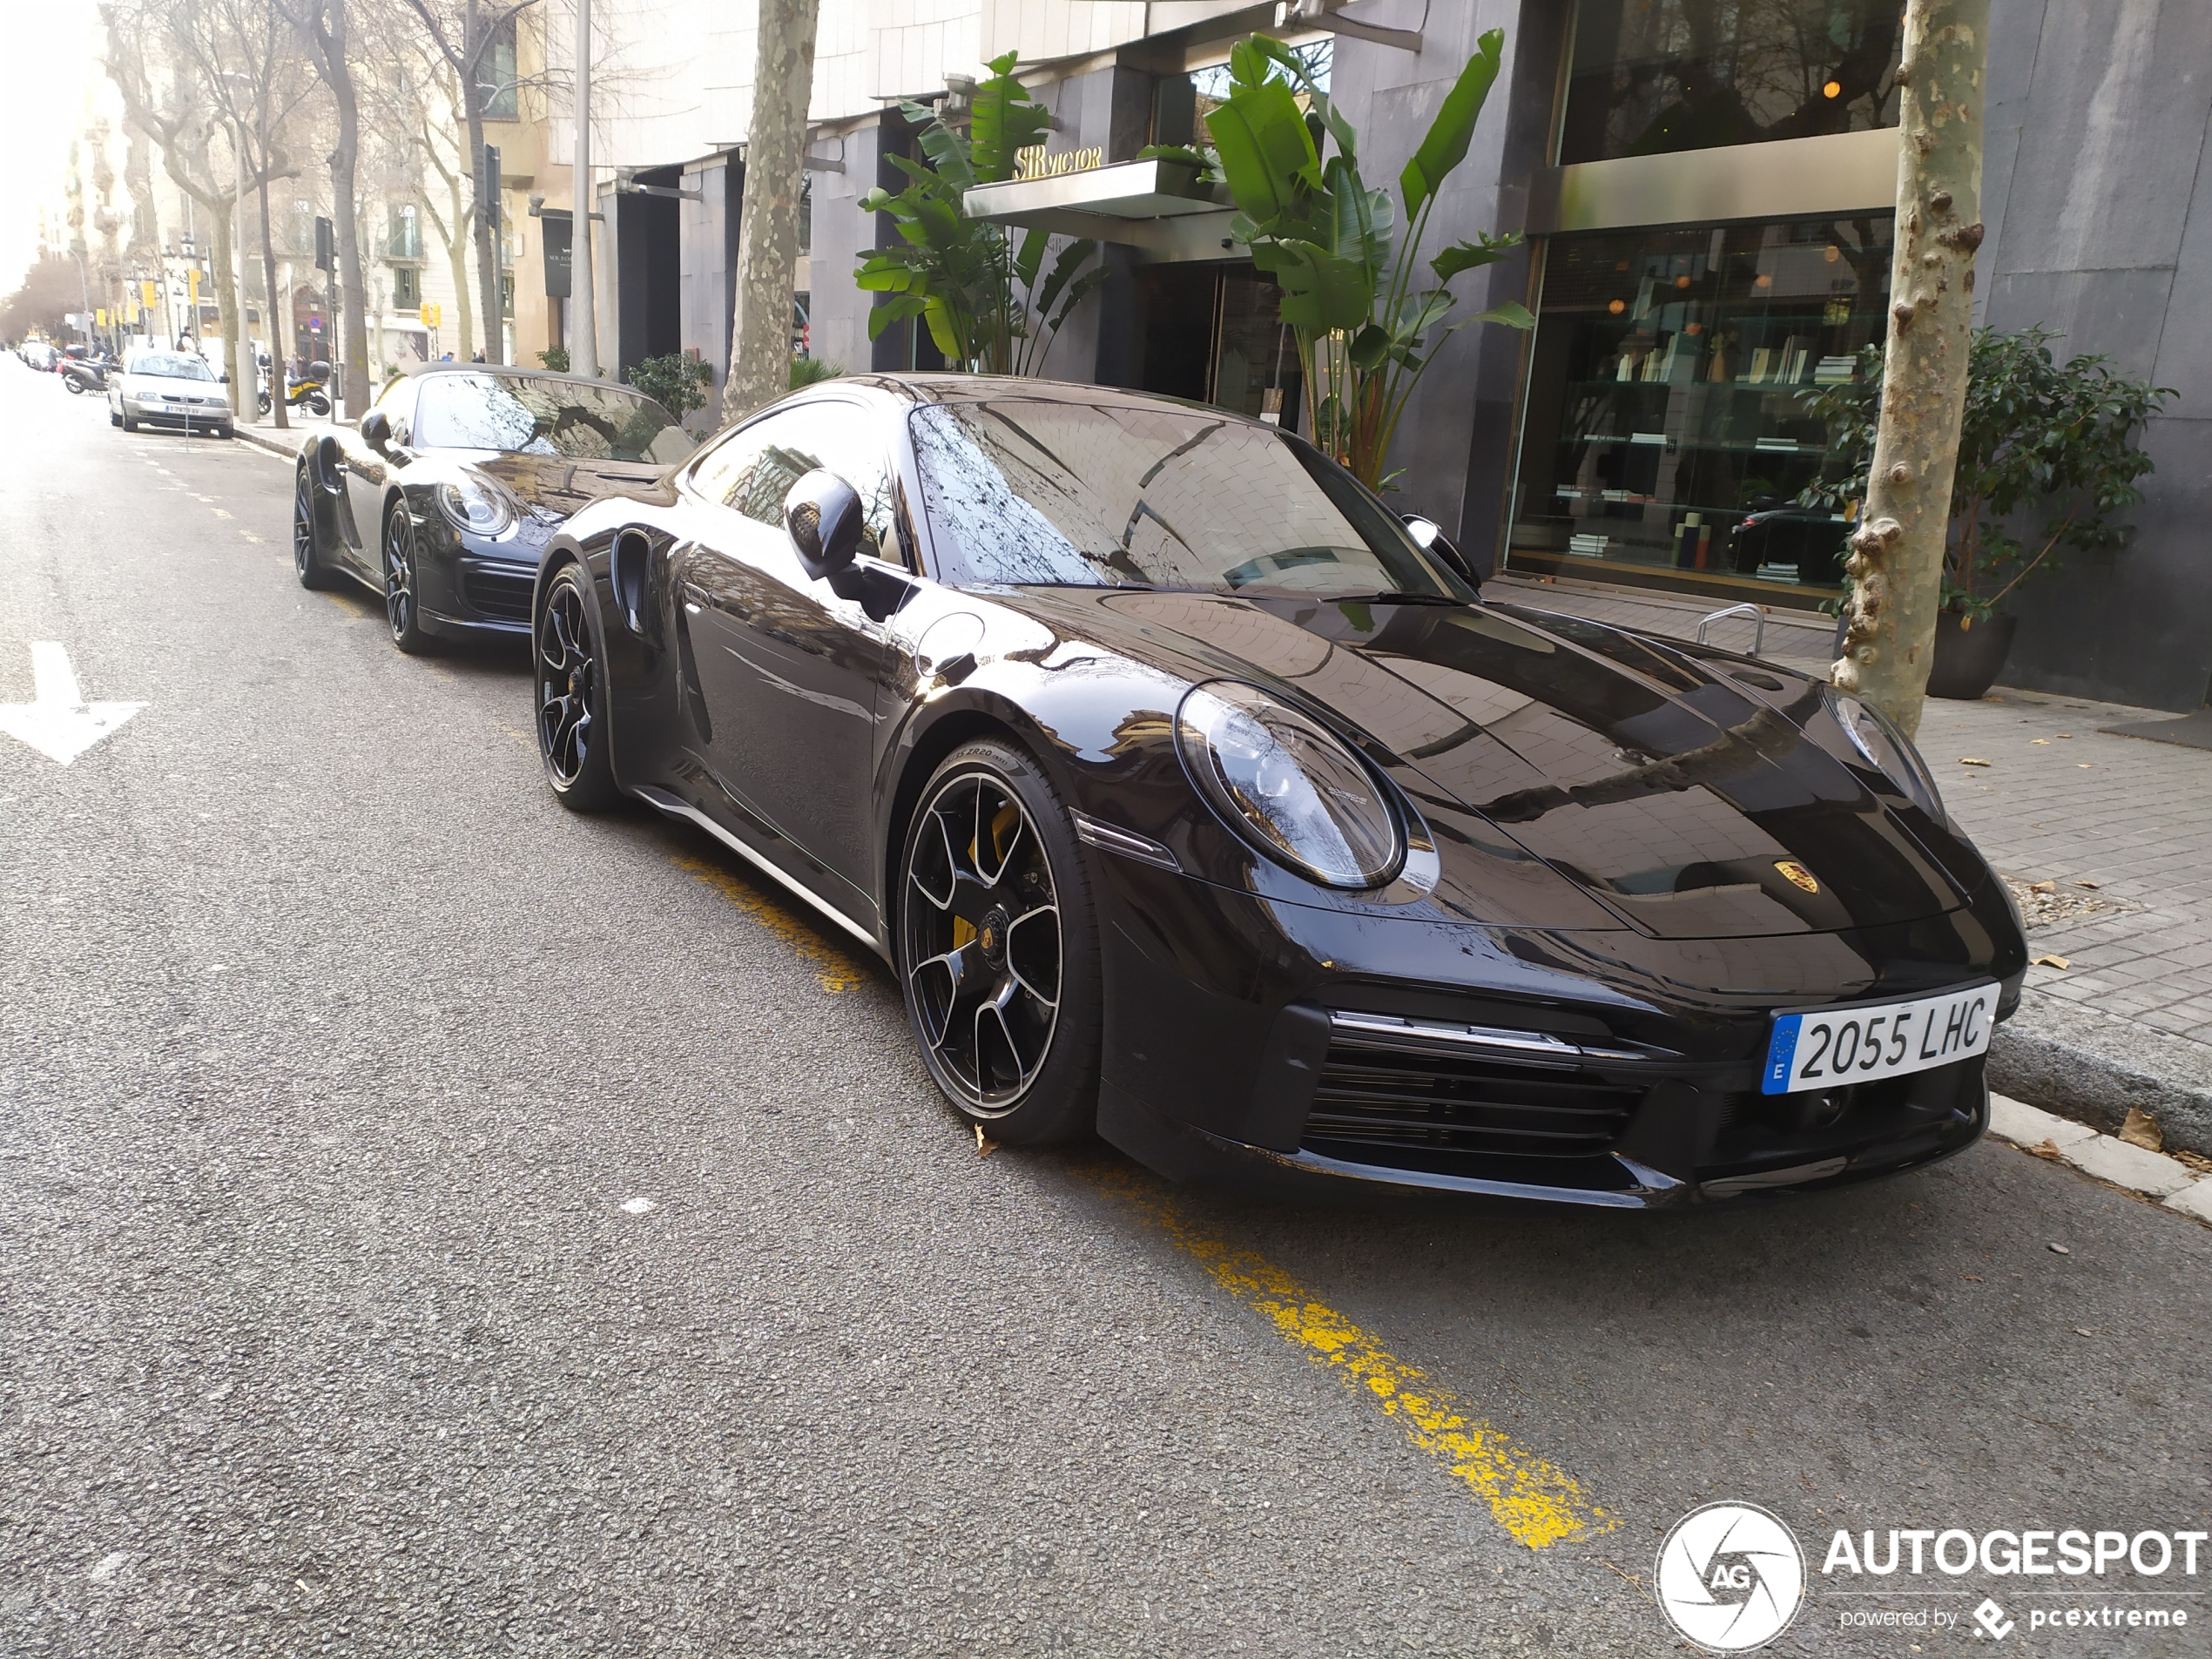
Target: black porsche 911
1194 797
443 498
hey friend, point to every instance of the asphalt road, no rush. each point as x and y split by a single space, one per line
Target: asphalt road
341 1065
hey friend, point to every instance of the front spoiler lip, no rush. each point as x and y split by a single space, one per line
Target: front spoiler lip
1650 1189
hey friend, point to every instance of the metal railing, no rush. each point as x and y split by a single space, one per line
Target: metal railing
1758 636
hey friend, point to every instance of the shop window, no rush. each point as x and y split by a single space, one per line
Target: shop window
1651 77
407 288
506 295
1666 437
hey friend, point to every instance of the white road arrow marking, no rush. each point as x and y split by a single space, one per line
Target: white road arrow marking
58 722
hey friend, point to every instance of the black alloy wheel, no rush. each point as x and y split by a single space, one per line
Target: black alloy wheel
997 949
307 557
401 608
571 696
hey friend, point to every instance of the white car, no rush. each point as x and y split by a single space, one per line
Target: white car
174 388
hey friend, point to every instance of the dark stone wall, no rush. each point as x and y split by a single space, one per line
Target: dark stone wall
1456 439
2099 215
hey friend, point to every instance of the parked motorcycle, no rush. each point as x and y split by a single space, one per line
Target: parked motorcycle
312 393
84 375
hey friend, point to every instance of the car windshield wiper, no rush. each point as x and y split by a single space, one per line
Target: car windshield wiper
1394 599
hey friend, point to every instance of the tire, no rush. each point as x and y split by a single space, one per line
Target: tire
402 549
128 424
568 680
76 386
1013 1053
318 404
114 419
307 553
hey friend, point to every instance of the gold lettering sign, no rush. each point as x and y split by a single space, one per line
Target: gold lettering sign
1035 162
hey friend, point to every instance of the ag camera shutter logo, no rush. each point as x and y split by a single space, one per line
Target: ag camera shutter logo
1731 1577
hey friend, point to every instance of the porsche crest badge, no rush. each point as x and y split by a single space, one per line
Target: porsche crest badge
1796 874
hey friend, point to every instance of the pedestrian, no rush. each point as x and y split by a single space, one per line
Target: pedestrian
478 358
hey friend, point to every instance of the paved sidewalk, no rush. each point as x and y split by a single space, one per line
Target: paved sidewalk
2120 827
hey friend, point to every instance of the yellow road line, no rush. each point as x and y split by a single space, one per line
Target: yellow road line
1537 1502
838 971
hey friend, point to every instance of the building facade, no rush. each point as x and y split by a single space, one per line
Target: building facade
1706 192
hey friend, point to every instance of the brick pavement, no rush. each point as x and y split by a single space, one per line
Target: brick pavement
2128 1020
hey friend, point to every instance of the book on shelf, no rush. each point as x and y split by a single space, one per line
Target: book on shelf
1646 437
1589 547
1835 371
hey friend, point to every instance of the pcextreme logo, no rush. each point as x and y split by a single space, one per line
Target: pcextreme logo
1731 1577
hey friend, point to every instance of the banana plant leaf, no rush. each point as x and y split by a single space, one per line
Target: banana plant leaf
1003 122
1267 153
1468 256
1445 146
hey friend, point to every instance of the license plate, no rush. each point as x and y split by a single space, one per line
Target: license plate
1829 1048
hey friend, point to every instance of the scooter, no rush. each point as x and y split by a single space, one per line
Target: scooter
312 393
84 375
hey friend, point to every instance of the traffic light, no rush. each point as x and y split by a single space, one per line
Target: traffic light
326 246
488 189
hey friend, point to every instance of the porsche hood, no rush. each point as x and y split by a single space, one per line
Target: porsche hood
1670 792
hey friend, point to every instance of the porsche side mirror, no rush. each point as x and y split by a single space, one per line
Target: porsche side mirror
822 517
376 430
1429 536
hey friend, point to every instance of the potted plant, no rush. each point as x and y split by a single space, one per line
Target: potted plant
989 301
1368 320
2046 459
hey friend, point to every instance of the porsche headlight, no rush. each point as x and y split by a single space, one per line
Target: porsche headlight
1294 792
476 505
1888 750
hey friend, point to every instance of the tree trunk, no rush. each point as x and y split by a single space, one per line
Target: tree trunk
278 308
464 305
775 164
474 42
344 220
228 299
1895 561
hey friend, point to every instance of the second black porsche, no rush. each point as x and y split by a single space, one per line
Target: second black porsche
444 497
1195 797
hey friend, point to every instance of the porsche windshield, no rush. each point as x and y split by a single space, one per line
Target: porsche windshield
1041 492
531 414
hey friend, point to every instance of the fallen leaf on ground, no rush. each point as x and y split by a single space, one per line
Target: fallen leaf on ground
2046 1149
1970 760
2079 1332
2065 734
2083 765
2053 961
2142 1129
2061 1250
984 1144
1971 1278
2092 886
2046 742
2042 887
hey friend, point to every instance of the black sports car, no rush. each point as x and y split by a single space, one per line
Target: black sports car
445 496
1192 795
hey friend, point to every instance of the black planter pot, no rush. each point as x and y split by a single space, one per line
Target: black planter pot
1968 660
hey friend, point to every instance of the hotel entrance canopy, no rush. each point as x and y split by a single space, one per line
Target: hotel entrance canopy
1159 208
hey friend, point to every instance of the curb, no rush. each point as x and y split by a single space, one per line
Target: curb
268 442
2042 1056
2166 1181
